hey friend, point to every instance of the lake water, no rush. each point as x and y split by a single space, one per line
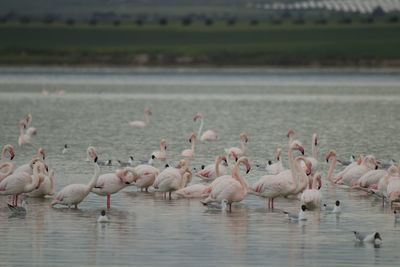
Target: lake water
353 111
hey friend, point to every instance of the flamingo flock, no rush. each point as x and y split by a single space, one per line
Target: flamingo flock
223 181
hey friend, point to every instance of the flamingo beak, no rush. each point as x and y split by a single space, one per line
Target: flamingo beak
127 183
12 155
301 149
248 167
95 159
190 140
165 147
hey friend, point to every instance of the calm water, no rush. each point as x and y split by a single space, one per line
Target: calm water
355 111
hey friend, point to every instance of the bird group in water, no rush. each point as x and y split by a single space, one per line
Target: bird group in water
220 182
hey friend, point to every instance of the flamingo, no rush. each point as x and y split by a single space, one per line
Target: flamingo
145 176
242 151
142 124
46 188
40 155
331 155
357 162
190 153
19 183
393 190
232 188
277 167
313 159
74 194
26 135
172 179
212 171
91 153
6 167
312 197
369 179
111 183
393 174
192 191
352 175
208 135
161 154
284 183
7 149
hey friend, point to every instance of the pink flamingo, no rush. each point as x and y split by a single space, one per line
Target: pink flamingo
172 179
40 155
74 194
7 149
91 153
111 183
19 183
190 153
46 188
192 191
331 155
25 136
6 167
393 173
142 124
370 179
313 159
212 171
339 175
312 197
284 183
230 189
145 176
161 154
277 167
350 177
242 151
208 135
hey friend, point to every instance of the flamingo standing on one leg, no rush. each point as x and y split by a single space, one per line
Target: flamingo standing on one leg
142 124
208 135
231 189
190 153
74 194
145 176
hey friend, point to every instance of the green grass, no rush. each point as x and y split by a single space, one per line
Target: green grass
219 44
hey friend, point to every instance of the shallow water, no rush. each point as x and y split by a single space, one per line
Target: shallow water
355 111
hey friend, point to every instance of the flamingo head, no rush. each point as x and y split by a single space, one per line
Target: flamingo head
40 153
163 143
308 166
148 111
220 158
246 163
41 180
234 155
297 145
33 162
317 181
243 137
31 131
278 153
315 139
10 149
192 137
290 133
124 176
197 116
182 164
331 153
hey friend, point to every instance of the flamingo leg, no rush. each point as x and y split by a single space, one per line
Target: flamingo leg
230 207
16 201
272 203
170 195
108 201
76 206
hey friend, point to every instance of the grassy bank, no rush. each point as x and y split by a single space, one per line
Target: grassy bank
219 45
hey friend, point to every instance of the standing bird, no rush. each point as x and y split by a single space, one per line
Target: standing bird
374 238
65 149
217 169
277 167
311 197
160 154
145 176
26 134
190 153
208 135
145 122
74 194
103 218
236 151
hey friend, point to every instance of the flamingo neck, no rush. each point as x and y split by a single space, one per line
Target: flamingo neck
51 178
35 179
8 167
238 177
94 179
146 119
217 162
292 166
200 128
314 148
193 144
331 169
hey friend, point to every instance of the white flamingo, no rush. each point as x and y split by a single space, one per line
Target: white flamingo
46 188
74 194
277 167
6 167
160 154
212 171
190 153
284 183
312 197
145 122
231 189
352 175
22 182
39 156
26 135
208 135
145 176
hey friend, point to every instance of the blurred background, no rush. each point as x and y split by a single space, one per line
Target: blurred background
200 32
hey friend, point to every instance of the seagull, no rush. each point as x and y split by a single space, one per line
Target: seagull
345 163
396 216
374 238
65 149
105 163
336 209
103 218
297 217
125 164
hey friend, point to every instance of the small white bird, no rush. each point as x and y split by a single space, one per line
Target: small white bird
297 217
336 209
125 164
374 238
65 149
103 218
105 163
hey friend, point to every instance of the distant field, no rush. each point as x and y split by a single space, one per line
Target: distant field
220 44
